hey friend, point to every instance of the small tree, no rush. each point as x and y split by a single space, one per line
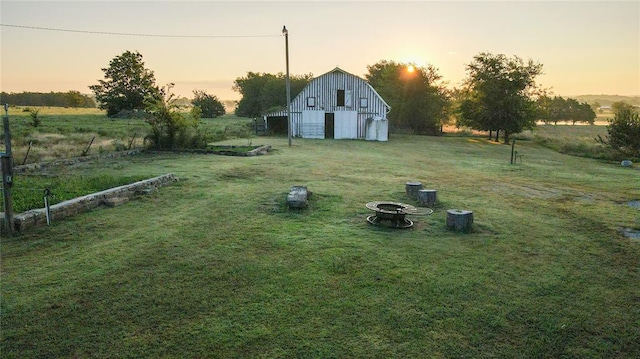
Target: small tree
169 126
35 119
624 132
209 105
127 85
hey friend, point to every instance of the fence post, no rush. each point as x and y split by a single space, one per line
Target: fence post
7 173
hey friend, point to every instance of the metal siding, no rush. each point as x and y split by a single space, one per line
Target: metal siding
312 124
324 89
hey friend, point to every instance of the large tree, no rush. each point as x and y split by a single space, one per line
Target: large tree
498 94
418 98
262 92
126 84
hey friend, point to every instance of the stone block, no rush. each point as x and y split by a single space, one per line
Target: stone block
297 197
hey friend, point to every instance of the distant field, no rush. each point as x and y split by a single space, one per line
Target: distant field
67 132
215 265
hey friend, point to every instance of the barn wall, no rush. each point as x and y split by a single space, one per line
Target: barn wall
324 89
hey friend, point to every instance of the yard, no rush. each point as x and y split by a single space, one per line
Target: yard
217 266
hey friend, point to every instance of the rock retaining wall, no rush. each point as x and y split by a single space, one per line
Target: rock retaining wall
38 217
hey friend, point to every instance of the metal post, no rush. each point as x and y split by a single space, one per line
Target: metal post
7 173
286 46
47 209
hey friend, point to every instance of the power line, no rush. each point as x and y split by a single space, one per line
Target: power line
135 34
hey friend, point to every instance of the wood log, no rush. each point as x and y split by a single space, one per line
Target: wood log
427 198
460 220
412 189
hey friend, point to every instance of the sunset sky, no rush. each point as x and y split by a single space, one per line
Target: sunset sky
586 47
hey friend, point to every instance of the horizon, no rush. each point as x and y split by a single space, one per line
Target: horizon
586 48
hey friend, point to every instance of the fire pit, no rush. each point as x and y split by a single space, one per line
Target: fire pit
394 213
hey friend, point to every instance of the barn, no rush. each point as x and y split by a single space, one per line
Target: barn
335 105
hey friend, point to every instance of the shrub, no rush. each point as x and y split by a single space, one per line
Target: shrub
35 119
170 129
209 105
624 132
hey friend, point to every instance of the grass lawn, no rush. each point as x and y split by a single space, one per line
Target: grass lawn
216 266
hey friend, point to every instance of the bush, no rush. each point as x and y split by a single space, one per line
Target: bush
624 132
209 105
35 119
170 129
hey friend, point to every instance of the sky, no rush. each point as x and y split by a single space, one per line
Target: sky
585 47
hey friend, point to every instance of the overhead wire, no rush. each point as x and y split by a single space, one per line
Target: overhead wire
134 34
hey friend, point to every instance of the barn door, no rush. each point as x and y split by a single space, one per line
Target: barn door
329 119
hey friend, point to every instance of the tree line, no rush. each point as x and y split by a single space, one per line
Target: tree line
499 95
57 99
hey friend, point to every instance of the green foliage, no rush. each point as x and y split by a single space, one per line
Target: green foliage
419 100
209 105
126 85
170 128
262 91
61 99
497 94
35 119
624 132
559 109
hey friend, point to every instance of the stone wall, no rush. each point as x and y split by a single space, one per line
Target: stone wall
38 217
32 167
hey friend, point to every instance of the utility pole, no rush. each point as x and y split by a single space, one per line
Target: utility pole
7 173
286 46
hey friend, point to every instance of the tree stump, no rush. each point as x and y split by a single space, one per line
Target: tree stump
412 189
427 198
297 197
459 220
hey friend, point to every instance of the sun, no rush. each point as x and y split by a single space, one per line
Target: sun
410 69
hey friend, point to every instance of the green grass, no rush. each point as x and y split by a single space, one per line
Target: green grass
67 132
28 191
575 140
216 266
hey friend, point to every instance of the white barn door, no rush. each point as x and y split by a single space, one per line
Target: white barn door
346 125
312 124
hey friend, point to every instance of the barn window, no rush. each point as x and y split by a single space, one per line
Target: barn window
347 98
340 98
311 102
364 102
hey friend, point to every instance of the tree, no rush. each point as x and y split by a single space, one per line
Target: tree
126 85
498 94
262 92
619 106
556 109
209 105
623 132
418 98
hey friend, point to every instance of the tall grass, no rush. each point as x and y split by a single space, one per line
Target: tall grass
575 140
65 133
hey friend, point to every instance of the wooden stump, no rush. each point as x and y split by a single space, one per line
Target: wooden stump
427 198
459 220
412 189
297 197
